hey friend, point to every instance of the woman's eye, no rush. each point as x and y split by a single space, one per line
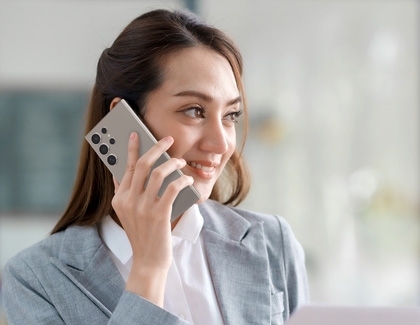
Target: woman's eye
195 112
233 117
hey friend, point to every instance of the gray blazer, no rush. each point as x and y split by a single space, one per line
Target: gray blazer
256 265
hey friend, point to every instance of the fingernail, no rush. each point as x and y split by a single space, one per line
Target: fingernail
132 135
191 179
168 139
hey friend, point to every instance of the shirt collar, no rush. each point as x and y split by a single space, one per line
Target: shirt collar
189 225
114 237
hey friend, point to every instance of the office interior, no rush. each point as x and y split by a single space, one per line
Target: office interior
333 141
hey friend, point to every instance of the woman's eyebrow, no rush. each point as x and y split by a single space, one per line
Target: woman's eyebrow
205 97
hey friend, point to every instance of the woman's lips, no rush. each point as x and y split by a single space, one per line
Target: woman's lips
199 166
203 169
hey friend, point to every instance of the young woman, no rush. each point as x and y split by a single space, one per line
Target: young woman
114 257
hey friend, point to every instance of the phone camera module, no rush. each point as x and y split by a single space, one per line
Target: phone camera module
103 149
96 138
112 160
104 130
112 141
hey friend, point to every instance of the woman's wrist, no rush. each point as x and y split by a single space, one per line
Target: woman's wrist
148 283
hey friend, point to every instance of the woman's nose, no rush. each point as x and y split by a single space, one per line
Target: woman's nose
215 138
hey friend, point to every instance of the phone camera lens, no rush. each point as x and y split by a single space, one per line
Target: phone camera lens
112 141
104 130
96 138
112 160
103 149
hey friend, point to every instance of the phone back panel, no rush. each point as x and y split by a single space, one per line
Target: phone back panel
109 138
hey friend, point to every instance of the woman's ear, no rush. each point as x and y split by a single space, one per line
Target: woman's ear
114 102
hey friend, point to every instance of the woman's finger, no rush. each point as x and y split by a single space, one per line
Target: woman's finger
116 184
159 174
174 188
132 157
145 163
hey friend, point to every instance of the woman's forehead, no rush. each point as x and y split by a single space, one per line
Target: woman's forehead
199 69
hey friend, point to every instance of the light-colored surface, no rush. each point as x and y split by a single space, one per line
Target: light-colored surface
340 315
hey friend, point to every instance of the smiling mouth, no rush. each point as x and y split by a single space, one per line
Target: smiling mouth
198 166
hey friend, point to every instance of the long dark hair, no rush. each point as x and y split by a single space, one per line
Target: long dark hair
132 68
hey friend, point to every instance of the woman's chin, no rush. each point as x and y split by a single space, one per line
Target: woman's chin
204 194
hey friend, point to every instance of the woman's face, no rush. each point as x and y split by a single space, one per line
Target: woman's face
197 104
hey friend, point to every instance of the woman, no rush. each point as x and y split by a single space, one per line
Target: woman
114 257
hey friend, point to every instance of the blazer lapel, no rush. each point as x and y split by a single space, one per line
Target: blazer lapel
86 262
238 263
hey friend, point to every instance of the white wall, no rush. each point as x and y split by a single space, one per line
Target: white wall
57 43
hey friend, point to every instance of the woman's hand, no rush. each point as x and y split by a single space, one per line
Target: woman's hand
146 218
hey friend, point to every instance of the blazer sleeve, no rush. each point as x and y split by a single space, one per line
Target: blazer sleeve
146 312
26 302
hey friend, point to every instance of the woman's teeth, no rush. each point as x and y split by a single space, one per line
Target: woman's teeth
198 166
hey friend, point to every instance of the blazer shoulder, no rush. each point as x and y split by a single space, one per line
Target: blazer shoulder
21 275
277 230
273 225
38 253
53 246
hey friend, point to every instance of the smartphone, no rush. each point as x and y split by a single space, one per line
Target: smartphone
109 139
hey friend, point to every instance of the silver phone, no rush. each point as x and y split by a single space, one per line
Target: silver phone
109 139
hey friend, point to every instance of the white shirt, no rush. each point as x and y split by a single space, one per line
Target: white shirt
189 292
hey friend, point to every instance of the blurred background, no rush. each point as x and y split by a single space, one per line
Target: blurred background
333 146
